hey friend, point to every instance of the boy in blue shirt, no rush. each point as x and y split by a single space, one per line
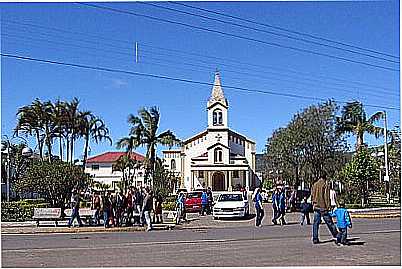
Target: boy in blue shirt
343 222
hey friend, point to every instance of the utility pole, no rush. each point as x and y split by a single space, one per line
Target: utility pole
386 177
136 52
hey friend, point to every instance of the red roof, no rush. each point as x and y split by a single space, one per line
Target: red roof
111 157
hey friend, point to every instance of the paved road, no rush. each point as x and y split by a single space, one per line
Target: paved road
376 242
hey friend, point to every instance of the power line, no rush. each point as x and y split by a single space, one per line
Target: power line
236 36
268 32
242 89
187 63
284 29
201 55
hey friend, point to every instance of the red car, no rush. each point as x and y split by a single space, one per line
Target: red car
193 201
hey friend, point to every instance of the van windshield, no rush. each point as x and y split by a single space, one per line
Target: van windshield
230 197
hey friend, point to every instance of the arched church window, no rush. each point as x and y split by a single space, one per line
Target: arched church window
173 165
217 117
218 155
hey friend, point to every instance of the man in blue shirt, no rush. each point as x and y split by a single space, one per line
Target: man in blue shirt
343 222
204 202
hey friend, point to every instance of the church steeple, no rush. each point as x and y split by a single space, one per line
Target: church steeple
217 95
217 106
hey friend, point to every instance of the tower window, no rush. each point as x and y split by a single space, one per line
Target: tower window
217 117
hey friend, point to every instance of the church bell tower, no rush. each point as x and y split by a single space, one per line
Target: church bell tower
217 106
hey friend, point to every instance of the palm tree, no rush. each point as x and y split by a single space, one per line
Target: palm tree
126 164
354 120
144 133
95 128
72 126
60 121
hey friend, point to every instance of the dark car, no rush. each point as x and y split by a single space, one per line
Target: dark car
193 201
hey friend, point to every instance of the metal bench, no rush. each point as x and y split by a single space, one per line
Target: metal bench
47 214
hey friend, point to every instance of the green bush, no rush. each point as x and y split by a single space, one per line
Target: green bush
20 210
170 206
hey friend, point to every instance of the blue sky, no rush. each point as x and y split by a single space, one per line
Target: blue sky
106 39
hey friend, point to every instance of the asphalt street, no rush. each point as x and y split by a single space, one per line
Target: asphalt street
374 242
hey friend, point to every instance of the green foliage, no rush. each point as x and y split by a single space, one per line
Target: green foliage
169 206
359 175
53 181
21 210
164 181
307 147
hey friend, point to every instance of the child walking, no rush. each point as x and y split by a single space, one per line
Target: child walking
305 208
343 222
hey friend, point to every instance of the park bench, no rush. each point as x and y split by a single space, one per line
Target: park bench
47 214
86 214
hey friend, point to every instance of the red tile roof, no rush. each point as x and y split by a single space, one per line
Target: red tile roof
111 157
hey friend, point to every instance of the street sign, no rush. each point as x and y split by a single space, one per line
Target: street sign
386 178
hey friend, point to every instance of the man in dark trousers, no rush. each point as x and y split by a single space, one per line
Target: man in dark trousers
320 197
75 206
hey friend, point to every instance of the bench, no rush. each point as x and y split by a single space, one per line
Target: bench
47 214
86 214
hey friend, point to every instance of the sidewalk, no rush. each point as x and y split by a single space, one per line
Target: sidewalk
194 221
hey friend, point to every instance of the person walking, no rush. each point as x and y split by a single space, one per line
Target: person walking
282 207
204 202
137 204
305 209
343 221
259 210
75 207
210 201
106 206
158 209
147 208
320 197
96 205
119 208
275 206
332 195
129 200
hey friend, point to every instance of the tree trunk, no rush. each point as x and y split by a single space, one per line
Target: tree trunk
39 145
67 148
85 151
72 149
359 141
61 147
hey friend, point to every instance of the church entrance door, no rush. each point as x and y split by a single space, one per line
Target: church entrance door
218 181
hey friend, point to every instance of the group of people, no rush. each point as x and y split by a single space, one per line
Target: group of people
323 204
134 207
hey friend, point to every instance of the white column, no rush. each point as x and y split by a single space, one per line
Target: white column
247 181
230 180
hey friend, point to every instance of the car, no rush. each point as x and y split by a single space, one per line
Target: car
231 205
193 201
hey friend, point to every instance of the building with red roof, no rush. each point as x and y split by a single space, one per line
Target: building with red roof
100 168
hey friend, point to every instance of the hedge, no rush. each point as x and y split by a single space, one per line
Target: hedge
169 206
20 210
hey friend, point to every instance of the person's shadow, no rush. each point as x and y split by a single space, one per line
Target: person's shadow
350 241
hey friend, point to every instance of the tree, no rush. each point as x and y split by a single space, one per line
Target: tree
164 181
95 128
143 132
358 174
53 181
125 164
354 120
307 147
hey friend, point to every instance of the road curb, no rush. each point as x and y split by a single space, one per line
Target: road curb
375 216
70 230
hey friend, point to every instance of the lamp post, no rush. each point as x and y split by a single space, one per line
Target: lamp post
6 148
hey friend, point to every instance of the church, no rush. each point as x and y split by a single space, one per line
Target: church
217 157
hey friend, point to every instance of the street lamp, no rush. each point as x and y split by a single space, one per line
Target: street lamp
6 148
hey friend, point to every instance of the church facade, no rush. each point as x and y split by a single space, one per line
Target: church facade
217 157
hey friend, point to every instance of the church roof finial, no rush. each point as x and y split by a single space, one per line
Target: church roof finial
217 92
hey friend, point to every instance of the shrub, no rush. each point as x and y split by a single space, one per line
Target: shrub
20 210
170 206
